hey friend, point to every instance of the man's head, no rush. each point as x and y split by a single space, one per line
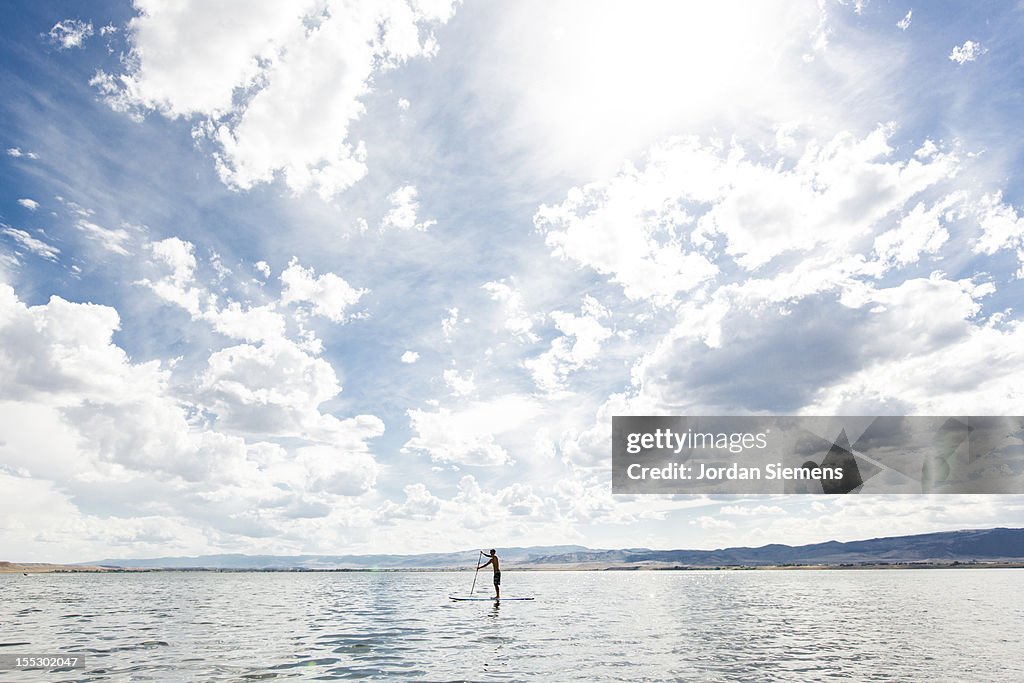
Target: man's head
492 552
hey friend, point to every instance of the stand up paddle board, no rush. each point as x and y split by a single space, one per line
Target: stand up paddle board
468 598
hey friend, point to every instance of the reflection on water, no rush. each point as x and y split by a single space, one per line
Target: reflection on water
936 625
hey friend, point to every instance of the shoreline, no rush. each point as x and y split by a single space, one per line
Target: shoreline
44 568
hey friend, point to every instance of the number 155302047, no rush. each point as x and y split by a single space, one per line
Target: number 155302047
25 662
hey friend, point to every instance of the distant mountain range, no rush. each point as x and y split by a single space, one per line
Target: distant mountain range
982 545
456 560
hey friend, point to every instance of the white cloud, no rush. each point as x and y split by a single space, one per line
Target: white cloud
402 214
40 516
70 33
277 85
459 384
34 245
751 510
655 231
835 193
113 240
904 23
756 363
182 66
17 153
403 104
579 344
419 504
927 150
72 383
1002 227
825 226
586 445
968 52
8 262
335 470
29 204
251 324
919 232
273 386
122 442
423 521
449 324
410 357
330 295
276 389
467 436
178 287
972 370
218 266
517 321
179 255
713 523
628 228
264 268
56 348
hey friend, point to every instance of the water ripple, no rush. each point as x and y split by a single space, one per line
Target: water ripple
705 626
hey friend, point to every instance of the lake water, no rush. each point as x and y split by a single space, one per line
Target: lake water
885 625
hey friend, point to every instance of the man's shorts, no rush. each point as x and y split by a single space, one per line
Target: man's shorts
497 578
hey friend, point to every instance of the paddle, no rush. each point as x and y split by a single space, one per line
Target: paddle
477 571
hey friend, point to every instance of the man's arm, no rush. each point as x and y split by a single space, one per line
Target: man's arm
489 561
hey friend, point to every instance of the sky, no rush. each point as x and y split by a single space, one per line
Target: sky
350 277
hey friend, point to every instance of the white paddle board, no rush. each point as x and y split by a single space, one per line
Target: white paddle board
463 598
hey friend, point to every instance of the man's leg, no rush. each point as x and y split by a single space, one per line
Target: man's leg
497 588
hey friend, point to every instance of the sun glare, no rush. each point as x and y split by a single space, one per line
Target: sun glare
607 82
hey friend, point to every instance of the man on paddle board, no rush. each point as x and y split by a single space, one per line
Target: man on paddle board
497 572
